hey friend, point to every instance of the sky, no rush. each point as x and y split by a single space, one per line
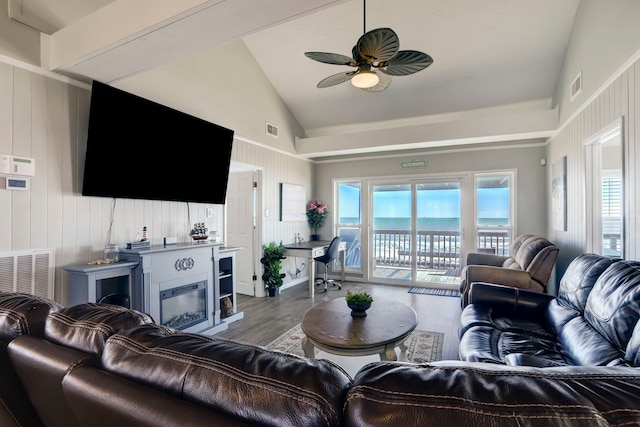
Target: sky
492 203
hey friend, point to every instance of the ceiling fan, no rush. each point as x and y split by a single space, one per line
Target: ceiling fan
376 57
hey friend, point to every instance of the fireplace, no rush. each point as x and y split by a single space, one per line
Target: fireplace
184 306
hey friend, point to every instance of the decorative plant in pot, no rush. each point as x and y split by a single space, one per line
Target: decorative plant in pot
316 212
359 303
272 264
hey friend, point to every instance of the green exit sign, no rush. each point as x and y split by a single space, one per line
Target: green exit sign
413 164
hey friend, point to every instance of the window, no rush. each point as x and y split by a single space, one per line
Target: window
604 196
349 221
494 207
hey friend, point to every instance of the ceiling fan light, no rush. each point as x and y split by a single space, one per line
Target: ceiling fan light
365 79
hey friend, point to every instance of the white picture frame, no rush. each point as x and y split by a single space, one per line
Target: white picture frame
293 202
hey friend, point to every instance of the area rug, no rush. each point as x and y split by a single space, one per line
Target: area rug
433 291
422 346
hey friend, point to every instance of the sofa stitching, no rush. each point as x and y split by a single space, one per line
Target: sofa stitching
79 362
596 416
84 324
545 375
10 412
357 393
238 374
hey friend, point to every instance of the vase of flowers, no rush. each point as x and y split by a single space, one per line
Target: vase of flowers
316 212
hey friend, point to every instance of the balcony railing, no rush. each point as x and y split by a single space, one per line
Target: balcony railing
438 250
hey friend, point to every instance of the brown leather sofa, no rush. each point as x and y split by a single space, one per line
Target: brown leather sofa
103 366
529 265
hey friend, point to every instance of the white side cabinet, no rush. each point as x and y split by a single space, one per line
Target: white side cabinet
110 283
228 301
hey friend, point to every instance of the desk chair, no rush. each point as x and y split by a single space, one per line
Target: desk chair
330 254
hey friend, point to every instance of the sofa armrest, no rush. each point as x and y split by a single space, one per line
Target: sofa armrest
508 299
498 275
478 258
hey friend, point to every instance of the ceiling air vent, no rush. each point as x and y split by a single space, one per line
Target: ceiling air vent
272 130
576 86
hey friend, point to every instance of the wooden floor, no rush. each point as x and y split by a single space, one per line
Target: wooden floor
267 318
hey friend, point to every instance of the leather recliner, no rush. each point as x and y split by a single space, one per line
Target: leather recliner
529 265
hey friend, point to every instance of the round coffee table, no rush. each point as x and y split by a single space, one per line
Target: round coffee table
329 326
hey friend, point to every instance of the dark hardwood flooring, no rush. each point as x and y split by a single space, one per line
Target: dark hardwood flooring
267 318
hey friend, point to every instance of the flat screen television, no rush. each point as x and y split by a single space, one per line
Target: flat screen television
139 149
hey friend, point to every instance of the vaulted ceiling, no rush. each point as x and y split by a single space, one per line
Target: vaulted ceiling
496 62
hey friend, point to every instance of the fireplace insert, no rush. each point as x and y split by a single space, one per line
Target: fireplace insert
184 306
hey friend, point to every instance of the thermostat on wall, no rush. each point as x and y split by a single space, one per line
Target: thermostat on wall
10 183
17 165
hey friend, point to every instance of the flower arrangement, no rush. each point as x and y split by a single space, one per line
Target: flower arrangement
316 211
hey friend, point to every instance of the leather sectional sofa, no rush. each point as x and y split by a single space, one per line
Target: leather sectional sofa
100 365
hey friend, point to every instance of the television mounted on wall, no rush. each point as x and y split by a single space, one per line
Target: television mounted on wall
140 149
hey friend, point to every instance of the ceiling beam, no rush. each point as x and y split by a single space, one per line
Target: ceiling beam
508 126
125 38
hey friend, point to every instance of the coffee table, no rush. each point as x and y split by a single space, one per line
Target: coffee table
330 327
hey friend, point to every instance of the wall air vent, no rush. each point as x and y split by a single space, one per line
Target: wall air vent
272 130
576 86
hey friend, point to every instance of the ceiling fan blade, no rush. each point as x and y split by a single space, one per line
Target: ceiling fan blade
331 58
385 82
336 79
406 62
378 45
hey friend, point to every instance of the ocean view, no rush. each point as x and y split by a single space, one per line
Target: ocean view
442 224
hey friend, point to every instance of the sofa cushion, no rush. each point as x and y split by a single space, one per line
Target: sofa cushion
613 305
73 336
86 327
476 315
488 344
23 314
584 346
20 314
253 383
579 278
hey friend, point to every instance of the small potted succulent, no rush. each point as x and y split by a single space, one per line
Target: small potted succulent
359 303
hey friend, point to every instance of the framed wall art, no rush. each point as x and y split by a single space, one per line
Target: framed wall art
559 194
293 202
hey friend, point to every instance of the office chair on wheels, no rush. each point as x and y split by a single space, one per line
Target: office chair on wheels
328 257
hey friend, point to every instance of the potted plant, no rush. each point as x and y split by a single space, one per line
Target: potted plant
316 212
359 303
272 261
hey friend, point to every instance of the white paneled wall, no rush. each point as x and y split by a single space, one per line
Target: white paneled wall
46 119
277 168
619 99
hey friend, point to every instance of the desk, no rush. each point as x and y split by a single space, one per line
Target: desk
311 250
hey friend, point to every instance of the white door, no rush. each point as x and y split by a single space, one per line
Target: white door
241 229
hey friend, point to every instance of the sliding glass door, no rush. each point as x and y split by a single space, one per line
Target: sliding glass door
392 232
416 231
438 231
